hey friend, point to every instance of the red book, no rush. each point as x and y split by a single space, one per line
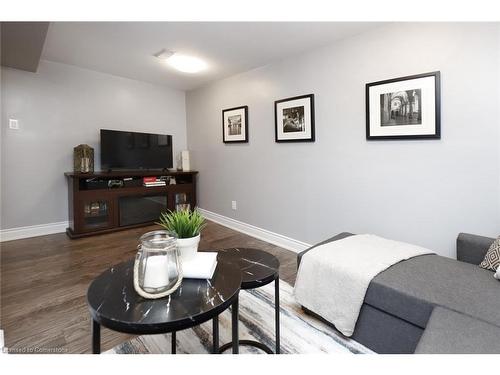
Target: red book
149 179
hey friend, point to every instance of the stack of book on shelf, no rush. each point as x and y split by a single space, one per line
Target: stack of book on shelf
153 181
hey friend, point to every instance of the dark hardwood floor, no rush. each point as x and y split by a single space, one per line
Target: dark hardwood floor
44 282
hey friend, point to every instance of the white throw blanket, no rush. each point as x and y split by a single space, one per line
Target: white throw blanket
333 278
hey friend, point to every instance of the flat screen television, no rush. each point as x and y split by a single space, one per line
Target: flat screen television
132 150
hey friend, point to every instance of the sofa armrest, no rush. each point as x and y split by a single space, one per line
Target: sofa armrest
335 238
472 248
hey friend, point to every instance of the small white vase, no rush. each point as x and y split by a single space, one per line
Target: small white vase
188 247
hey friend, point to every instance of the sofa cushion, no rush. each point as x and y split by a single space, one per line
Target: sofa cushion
450 332
411 289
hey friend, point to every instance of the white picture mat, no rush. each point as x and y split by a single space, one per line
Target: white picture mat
235 112
428 99
304 102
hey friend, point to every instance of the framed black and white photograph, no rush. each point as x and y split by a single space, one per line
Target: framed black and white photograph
235 125
294 119
404 108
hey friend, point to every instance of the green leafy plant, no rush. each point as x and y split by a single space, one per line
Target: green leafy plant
184 223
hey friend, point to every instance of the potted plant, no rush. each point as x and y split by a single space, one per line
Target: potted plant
186 226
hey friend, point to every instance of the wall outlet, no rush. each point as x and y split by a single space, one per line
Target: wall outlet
233 205
13 124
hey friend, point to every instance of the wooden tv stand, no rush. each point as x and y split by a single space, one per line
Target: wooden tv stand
97 206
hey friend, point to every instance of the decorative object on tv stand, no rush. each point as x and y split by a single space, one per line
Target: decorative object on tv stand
294 119
404 108
186 226
178 161
182 202
186 162
157 268
83 159
235 125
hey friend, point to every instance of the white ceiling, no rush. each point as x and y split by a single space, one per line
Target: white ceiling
126 48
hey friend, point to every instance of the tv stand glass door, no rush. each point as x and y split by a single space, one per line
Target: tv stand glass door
96 214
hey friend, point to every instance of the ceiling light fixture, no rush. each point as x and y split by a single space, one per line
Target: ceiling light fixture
164 54
183 63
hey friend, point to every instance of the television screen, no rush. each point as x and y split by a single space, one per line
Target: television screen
131 150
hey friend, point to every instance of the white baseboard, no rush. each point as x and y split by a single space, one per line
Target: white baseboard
253 231
32 231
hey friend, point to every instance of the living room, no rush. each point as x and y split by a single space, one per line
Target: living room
188 187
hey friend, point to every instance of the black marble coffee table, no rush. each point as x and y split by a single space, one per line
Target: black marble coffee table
258 268
114 303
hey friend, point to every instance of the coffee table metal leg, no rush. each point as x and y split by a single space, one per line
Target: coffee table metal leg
174 342
215 335
234 323
96 337
277 313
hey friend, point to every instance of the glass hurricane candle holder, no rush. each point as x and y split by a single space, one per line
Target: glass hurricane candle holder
157 268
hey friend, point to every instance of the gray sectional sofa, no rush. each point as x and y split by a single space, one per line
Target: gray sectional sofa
432 304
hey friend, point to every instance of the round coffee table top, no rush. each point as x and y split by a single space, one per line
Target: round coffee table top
115 304
257 267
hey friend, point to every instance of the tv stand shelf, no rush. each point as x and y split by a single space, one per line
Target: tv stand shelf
96 208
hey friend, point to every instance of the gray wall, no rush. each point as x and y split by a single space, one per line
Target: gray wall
58 108
424 192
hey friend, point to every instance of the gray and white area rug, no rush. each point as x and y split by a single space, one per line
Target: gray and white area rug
300 333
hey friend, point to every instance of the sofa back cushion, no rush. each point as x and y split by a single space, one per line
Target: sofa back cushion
472 248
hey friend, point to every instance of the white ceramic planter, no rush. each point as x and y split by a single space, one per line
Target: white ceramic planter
188 247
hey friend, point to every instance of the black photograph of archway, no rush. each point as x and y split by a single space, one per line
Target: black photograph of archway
404 108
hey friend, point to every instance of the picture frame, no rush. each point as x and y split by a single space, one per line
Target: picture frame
235 125
294 119
404 108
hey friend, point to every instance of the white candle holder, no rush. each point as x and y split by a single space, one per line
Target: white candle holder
157 267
